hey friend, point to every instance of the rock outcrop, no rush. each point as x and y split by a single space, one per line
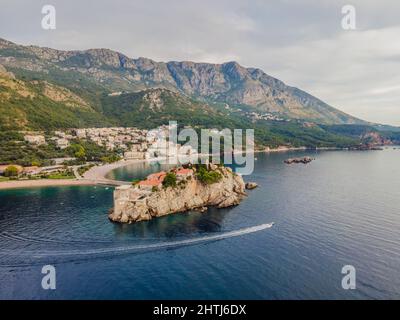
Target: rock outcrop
133 204
303 160
251 185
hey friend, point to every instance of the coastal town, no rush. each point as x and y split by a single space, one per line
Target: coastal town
132 142
106 145
125 144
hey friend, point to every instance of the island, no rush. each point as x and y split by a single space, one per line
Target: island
190 187
303 160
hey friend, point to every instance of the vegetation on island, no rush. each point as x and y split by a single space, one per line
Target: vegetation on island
169 180
135 182
206 175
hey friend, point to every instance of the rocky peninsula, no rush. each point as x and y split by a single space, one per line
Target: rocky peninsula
192 187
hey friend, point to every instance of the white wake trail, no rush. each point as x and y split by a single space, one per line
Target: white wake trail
170 244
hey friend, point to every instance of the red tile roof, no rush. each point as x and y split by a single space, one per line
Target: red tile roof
156 176
153 179
184 171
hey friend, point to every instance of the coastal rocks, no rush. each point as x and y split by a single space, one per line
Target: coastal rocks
366 147
374 139
251 185
303 160
132 204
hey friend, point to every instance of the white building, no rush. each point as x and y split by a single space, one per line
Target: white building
133 155
80 133
35 139
62 143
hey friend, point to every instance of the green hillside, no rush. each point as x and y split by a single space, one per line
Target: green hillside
151 108
39 105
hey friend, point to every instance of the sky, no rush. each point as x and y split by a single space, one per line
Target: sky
301 42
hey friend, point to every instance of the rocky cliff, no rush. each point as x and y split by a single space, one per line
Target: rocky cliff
133 204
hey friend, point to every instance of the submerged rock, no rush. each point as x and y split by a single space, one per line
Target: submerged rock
201 209
134 203
251 185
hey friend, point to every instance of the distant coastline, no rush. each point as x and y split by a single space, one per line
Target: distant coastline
98 174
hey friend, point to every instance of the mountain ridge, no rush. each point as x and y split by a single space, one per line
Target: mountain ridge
228 82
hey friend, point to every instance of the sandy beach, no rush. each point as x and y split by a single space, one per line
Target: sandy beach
43 183
97 173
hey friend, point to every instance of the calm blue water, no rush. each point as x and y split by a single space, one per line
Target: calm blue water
343 208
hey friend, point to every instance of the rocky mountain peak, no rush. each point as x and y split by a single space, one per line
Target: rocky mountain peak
223 83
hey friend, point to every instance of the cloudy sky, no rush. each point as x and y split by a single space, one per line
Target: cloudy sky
301 42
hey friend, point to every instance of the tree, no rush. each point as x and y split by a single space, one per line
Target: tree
207 176
77 150
169 180
36 163
11 171
110 159
80 153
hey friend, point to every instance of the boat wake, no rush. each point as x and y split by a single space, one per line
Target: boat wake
85 253
40 240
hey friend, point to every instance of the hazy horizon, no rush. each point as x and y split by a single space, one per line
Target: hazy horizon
302 43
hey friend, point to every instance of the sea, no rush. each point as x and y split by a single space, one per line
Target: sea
340 212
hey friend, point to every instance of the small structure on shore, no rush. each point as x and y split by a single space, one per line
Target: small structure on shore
303 160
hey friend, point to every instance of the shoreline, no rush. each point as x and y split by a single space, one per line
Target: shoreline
17 184
98 174
101 172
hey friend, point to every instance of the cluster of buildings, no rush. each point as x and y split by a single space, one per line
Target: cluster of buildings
264 116
133 143
255 115
113 138
35 139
